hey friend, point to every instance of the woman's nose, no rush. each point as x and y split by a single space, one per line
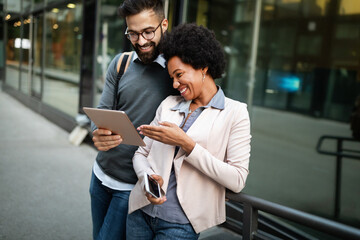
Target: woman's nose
176 84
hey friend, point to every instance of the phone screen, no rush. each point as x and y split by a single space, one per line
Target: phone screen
153 186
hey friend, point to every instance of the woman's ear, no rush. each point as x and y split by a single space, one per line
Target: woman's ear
204 70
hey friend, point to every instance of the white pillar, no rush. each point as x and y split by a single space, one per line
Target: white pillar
253 54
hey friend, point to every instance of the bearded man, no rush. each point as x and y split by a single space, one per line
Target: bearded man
141 89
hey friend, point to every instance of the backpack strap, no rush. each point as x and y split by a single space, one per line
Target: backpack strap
122 65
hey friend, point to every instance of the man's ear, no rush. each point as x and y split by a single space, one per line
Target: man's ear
164 25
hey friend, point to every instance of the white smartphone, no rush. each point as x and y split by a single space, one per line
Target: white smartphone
152 186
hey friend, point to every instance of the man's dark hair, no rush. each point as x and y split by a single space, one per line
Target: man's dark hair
132 7
195 45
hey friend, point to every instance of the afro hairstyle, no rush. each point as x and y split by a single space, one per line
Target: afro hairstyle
196 46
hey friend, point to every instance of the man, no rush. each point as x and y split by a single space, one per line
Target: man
141 89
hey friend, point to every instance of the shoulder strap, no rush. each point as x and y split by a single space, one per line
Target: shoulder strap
122 65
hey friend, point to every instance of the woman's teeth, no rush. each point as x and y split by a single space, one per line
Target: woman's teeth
183 90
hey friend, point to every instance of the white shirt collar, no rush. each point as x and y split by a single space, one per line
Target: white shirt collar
160 59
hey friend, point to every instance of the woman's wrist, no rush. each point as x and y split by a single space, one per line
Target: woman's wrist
188 146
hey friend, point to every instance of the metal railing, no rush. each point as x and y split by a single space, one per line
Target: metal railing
339 153
251 206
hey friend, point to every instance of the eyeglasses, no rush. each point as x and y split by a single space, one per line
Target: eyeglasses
147 34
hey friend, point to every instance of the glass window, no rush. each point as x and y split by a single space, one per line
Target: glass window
268 9
62 58
308 69
170 12
13 47
313 8
234 32
288 8
344 79
26 5
13 6
111 41
49 1
349 7
25 51
37 47
38 4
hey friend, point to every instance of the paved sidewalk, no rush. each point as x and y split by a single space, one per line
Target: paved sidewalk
44 179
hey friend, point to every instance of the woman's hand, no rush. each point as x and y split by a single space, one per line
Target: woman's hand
168 133
154 200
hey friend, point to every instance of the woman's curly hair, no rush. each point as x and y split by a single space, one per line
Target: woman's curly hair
196 46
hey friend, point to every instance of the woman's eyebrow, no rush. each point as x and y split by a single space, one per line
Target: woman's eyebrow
174 72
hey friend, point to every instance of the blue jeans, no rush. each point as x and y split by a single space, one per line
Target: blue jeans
141 226
109 210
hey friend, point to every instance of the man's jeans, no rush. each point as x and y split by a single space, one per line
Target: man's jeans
141 226
109 210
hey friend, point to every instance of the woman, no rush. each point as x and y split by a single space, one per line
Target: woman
197 145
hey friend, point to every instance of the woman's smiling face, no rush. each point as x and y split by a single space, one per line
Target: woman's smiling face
186 79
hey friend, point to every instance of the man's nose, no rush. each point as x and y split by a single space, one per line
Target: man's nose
142 40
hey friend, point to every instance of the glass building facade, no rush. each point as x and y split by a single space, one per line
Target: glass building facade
295 62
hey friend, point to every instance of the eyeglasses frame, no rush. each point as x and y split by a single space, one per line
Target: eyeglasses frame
141 33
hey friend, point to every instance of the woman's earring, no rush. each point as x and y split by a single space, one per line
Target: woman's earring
203 77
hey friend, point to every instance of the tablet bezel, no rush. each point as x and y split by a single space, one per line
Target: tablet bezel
116 121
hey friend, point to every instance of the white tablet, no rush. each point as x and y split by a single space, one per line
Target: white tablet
117 122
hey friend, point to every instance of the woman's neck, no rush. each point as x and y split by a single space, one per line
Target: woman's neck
207 94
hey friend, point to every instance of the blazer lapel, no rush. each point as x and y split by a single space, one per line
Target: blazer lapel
200 131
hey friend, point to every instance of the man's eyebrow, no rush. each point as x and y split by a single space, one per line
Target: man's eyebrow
142 30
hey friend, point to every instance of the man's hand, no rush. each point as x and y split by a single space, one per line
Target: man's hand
154 200
104 140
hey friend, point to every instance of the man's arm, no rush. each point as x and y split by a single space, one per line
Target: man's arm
103 138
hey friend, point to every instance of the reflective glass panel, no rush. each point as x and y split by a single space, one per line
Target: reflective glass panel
288 8
25 51
37 51
26 5
13 6
62 58
349 7
38 4
111 41
13 48
313 8
307 78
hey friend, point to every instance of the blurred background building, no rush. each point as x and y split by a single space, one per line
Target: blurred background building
295 62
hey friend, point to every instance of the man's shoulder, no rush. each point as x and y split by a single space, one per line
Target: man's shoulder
118 55
113 63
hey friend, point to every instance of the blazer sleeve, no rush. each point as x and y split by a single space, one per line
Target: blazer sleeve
140 162
231 172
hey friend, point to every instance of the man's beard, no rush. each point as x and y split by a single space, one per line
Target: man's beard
147 57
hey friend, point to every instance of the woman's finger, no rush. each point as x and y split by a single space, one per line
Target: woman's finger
167 124
155 201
